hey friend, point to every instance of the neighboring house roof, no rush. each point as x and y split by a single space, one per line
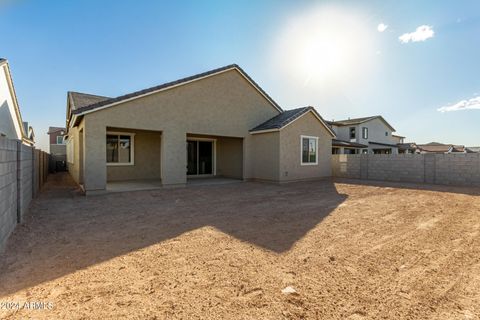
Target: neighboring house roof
458 149
473 149
436 147
355 121
347 144
113 101
55 129
285 118
383 144
408 145
80 100
396 135
21 131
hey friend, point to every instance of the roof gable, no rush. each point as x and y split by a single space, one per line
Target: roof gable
14 109
285 118
169 85
355 121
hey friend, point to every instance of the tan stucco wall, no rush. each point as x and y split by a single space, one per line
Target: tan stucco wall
146 158
225 105
266 156
229 154
73 165
290 150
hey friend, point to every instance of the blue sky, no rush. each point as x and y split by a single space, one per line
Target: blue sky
328 54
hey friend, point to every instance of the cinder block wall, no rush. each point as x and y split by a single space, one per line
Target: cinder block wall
8 188
448 169
22 173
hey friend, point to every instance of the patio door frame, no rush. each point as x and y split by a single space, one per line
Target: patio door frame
214 157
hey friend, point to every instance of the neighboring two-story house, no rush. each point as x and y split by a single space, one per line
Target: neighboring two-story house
58 149
364 135
11 124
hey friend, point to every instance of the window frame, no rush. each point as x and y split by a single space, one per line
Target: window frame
301 151
132 148
354 133
365 133
59 136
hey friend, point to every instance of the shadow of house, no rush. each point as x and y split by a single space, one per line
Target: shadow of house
68 232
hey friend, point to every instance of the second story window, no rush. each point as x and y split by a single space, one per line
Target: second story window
352 133
59 139
386 133
365 133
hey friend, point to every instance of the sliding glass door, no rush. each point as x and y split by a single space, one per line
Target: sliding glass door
200 157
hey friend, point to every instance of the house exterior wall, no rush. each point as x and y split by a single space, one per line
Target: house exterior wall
9 125
266 156
229 154
290 150
343 133
223 105
53 136
74 158
146 158
376 132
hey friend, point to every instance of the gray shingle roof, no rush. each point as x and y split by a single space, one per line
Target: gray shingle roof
348 122
55 129
343 143
107 101
281 120
354 121
80 100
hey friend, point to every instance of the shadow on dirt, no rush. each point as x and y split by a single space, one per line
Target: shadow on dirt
66 231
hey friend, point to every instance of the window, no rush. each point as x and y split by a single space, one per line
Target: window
386 133
119 148
59 139
309 150
365 133
352 133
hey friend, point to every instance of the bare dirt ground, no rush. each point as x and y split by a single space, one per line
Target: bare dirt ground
350 250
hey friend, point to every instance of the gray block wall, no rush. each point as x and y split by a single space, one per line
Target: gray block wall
8 188
447 169
20 177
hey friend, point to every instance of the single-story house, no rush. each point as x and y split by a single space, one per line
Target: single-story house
436 147
217 123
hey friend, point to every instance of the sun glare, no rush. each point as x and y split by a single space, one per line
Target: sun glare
325 44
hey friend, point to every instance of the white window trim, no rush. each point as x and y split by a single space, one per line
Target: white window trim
301 151
56 140
132 149
365 133
214 160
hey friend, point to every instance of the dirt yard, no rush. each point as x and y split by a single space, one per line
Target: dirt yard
349 250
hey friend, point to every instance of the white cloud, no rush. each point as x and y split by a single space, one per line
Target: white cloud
382 27
422 33
473 103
